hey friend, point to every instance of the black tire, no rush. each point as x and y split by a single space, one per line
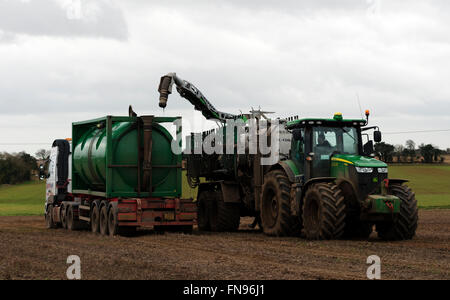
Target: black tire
204 200
104 219
276 215
404 224
223 216
72 222
113 223
95 218
63 213
323 212
49 218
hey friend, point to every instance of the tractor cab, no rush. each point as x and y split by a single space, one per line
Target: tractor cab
335 148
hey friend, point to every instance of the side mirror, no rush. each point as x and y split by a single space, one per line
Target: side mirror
377 136
368 148
297 135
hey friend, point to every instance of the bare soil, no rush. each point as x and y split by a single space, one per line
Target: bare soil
29 251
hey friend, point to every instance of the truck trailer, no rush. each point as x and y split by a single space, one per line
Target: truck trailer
117 174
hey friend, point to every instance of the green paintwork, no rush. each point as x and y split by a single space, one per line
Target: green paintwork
292 166
101 144
377 204
359 161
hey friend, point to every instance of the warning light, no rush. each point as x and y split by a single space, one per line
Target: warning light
338 116
367 113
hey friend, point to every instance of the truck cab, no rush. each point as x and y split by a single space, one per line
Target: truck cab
58 178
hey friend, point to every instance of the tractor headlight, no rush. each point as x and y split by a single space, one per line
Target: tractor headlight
382 170
364 170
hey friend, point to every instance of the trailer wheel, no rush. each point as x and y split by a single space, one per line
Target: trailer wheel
62 217
49 217
404 225
224 216
72 224
203 207
113 223
324 212
276 216
104 220
95 218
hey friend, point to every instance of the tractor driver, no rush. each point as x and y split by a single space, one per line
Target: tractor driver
322 141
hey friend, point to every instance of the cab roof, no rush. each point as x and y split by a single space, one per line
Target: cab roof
337 120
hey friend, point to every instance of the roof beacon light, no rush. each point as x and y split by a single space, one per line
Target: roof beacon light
338 117
367 115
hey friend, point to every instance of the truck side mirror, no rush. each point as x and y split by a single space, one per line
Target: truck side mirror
377 136
297 135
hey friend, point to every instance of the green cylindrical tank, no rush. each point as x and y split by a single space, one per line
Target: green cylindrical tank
108 158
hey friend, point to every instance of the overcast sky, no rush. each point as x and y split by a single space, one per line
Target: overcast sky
63 61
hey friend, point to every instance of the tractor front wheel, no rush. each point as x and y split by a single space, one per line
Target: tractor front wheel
324 212
276 215
404 225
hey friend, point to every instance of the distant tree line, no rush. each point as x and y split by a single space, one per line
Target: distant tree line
409 153
16 168
19 167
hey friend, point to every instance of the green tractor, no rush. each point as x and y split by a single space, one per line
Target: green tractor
336 185
326 185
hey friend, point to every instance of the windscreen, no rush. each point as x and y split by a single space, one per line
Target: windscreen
334 140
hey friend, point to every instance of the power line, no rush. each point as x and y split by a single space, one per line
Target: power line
22 144
417 131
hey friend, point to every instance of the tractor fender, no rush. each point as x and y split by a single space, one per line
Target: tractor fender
285 166
315 180
397 181
229 189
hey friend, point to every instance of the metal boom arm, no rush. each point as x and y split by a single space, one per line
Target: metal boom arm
188 91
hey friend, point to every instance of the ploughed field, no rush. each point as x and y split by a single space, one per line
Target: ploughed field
29 251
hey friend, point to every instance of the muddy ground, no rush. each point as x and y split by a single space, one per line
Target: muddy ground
29 251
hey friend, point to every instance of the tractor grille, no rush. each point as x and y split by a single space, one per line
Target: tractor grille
369 183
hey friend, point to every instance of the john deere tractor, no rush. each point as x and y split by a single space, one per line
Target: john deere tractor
326 185
341 190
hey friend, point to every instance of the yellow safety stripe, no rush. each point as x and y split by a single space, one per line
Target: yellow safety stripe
341 160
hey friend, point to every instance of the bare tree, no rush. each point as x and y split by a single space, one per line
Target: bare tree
399 152
411 145
42 154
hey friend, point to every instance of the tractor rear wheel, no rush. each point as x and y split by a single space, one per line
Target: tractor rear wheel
323 212
276 215
404 225
223 216
49 217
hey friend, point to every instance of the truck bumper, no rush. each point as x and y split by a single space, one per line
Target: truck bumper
148 212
